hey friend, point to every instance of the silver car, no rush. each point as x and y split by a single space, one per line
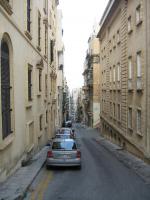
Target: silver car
63 152
63 136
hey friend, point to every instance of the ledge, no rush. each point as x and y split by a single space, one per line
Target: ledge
29 105
7 141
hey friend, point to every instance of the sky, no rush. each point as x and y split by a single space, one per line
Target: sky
79 17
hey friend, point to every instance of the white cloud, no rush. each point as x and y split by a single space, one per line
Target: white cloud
79 17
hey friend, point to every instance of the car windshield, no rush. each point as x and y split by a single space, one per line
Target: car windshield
64 145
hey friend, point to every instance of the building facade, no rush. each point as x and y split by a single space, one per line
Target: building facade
91 86
60 69
28 79
124 62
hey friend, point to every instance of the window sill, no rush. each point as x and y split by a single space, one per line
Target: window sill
139 23
130 129
39 94
139 134
28 34
7 141
29 105
46 126
6 6
40 134
130 31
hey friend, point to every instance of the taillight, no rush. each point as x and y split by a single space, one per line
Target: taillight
78 154
49 154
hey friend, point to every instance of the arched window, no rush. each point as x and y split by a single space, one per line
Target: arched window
5 89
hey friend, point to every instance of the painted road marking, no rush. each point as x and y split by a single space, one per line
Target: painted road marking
42 186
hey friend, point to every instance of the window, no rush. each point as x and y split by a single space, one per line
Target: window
119 112
40 80
45 40
110 108
46 85
114 74
46 116
139 121
40 122
5 90
129 25
114 110
130 68
129 117
39 29
138 62
110 75
104 77
45 6
114 42
52 50
110 46
118 72
118 37
29 83
29 16
138 15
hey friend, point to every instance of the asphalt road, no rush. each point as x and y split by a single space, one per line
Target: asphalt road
102 177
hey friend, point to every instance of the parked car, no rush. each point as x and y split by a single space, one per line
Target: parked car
67 131
68 123
64 152
64 136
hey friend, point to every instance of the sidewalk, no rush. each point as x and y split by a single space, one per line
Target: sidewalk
137 165
141 168
16 186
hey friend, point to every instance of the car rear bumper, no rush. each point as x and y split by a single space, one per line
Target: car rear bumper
63 162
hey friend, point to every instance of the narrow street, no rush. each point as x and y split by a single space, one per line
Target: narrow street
102 177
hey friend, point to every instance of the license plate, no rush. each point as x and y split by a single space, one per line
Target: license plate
66 156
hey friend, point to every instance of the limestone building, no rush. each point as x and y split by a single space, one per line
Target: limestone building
28 78
92 83
124 60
